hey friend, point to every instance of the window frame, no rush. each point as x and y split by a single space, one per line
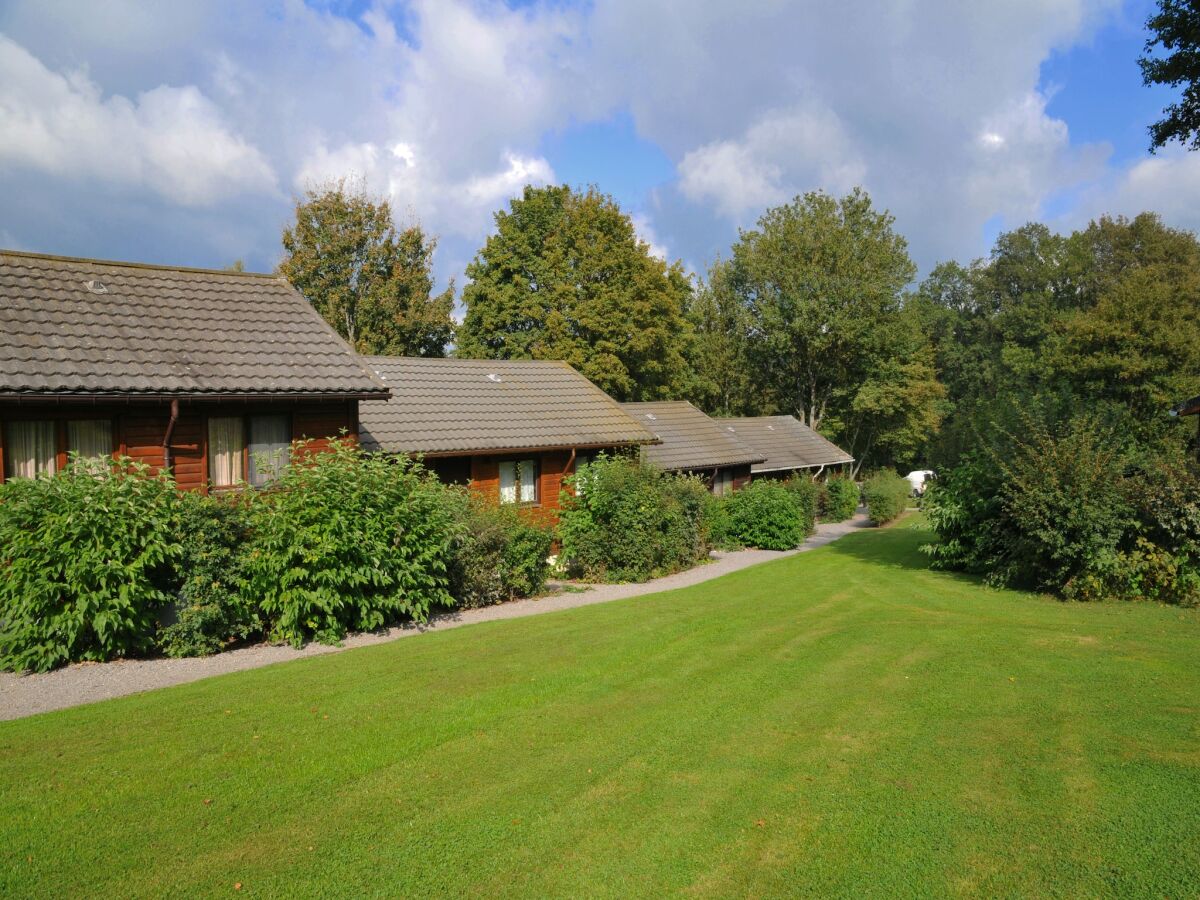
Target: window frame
517 461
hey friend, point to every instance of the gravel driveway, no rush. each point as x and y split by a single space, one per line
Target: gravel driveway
25 695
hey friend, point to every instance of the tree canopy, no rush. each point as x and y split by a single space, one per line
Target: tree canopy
819 283
1175 28
566 277
370 281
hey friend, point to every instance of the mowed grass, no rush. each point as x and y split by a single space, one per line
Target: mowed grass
841 722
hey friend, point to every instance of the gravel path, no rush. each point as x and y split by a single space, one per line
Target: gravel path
26 695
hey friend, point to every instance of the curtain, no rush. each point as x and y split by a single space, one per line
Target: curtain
508 482
226 441
529 478
90 438
30 449
270 447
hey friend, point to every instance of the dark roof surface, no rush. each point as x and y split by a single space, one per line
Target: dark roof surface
787 443
1186 408
690 439
470 405
89 327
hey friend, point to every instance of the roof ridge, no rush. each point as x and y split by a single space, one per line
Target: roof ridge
29 254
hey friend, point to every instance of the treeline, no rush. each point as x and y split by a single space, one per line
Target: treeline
813 312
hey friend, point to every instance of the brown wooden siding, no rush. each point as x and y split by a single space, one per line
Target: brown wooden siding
138 430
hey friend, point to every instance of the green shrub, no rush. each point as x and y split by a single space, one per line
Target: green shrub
806 492
211 609
841 500
344 541
769 515
497 555
631 522
87 557
886 495
1070 508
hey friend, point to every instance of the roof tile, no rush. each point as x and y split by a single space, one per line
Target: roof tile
157 330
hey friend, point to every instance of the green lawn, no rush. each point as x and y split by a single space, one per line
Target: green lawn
840 722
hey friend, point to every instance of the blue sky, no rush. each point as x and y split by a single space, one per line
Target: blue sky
180 133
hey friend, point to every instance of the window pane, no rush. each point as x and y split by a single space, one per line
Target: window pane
90 438
30 449
270 446
508 482
226 441
529 479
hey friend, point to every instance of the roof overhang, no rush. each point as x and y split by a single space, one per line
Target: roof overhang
505 451
1186 408
835 462
133 397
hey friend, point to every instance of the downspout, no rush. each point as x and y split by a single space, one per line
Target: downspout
167 437
818 472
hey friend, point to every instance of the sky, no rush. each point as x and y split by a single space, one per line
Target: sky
180 132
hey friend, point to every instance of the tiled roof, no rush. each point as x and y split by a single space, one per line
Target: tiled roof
465 405
787 443
90 327
690 439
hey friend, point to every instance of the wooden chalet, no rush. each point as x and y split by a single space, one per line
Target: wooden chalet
692 442
208 374
514 429
787 447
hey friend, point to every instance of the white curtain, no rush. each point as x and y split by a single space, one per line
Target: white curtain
226 441
90 438
508 482
528 477
30 449
270 446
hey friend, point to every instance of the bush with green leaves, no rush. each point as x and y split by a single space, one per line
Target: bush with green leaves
498 555
1074 509
631 522
806 492
348 541
769 515
886 495
87 557
211 609
841 500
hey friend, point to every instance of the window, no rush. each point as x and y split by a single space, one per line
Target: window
90 438
226 450
581 460
519 481
30 449
723 483
247 449
270 446
42 447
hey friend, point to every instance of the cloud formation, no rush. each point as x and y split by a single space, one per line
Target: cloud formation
207 116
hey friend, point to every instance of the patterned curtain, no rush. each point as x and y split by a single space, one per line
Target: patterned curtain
226 441
508 482
528 478
30 449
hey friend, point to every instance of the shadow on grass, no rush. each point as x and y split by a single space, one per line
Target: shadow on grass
896 546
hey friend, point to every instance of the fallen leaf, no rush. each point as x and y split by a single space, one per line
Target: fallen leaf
208 801
237 885
761 823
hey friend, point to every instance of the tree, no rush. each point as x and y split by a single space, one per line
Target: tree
1175 28
820 280
566 277
372 283
722 383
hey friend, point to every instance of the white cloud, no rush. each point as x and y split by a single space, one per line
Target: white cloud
1168 184
777 156
172 140
645 232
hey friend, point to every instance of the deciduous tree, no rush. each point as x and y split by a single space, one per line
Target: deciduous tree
371 282
566 277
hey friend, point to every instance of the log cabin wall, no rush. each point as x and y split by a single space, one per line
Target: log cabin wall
138 429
